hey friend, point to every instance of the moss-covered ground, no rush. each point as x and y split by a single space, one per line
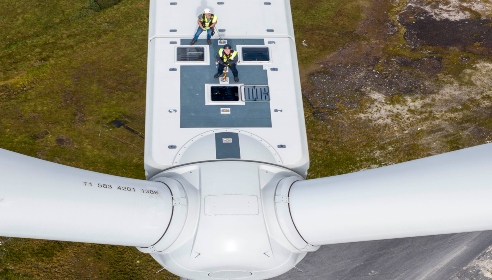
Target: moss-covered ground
68 69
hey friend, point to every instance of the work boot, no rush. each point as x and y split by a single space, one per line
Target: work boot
217 75
236 79
209 41
193 41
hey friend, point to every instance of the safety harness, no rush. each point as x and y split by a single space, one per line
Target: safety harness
225 57
206 23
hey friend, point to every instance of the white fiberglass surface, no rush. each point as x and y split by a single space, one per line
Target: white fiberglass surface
442 194
40 199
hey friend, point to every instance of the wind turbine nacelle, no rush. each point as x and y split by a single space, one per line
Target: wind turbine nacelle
231 219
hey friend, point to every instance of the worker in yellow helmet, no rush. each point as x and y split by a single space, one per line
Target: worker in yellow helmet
206 22
227 57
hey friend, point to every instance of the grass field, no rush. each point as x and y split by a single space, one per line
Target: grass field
68 69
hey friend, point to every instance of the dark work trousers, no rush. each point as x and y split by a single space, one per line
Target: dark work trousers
232 67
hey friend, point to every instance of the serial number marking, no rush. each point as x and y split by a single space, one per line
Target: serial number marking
150 191
120 188
105 186
128 189
99 185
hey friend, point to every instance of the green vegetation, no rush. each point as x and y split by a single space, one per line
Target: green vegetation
324 26
98 5
70 75
67 71
40 259
400 126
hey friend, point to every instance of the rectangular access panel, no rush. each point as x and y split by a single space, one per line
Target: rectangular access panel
231 204
256 54
227 145
190 54
224 93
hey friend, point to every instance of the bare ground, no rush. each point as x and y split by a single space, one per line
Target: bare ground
417 83
415 78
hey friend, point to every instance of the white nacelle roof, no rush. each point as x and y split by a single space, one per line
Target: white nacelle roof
169 134
241 19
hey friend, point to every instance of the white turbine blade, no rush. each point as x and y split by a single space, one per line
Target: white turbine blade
44 200
448 193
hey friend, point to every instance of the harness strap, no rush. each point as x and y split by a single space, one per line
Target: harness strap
226 57
204 22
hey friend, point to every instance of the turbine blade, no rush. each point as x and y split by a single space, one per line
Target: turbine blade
442 194
44 200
